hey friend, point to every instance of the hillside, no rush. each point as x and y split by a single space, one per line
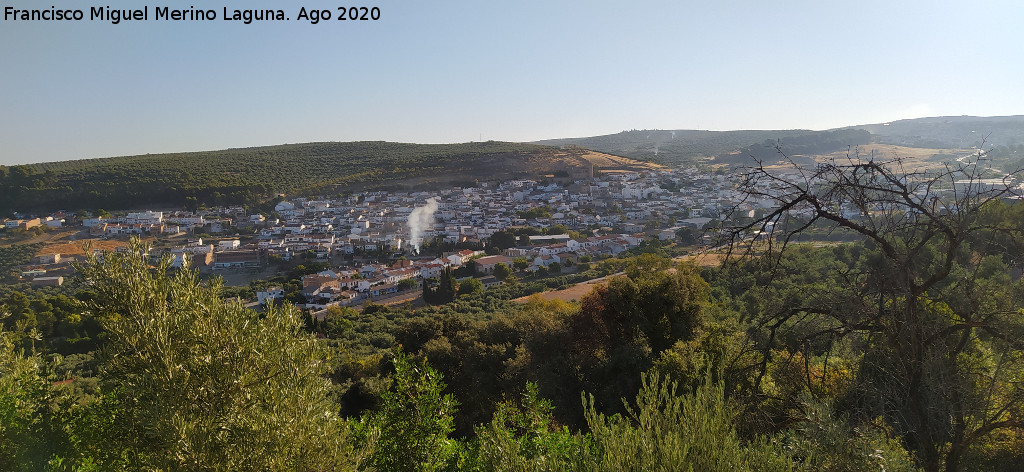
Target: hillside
673 147
950 131
251 175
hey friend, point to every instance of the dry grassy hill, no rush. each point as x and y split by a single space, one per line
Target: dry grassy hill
913 158
537 164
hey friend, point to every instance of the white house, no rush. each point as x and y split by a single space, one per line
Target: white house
272 293
144 218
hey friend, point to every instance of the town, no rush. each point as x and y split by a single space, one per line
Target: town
380 245
385 246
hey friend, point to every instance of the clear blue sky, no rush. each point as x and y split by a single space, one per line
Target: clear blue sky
456 71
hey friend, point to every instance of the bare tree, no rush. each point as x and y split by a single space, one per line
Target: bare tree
942 344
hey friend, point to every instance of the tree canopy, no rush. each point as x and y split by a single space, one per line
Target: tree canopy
928 301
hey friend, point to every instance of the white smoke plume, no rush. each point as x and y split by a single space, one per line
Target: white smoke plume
420 219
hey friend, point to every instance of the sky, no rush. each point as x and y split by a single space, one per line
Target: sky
458 71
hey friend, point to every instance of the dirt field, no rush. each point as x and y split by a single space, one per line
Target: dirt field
570 294
77 248
577 291
70 242
913 158
49 235
704 260
603 160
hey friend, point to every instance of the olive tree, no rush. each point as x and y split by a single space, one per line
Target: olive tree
194 382
930 301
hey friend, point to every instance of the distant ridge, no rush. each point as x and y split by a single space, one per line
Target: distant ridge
950 131
248 176
675 147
